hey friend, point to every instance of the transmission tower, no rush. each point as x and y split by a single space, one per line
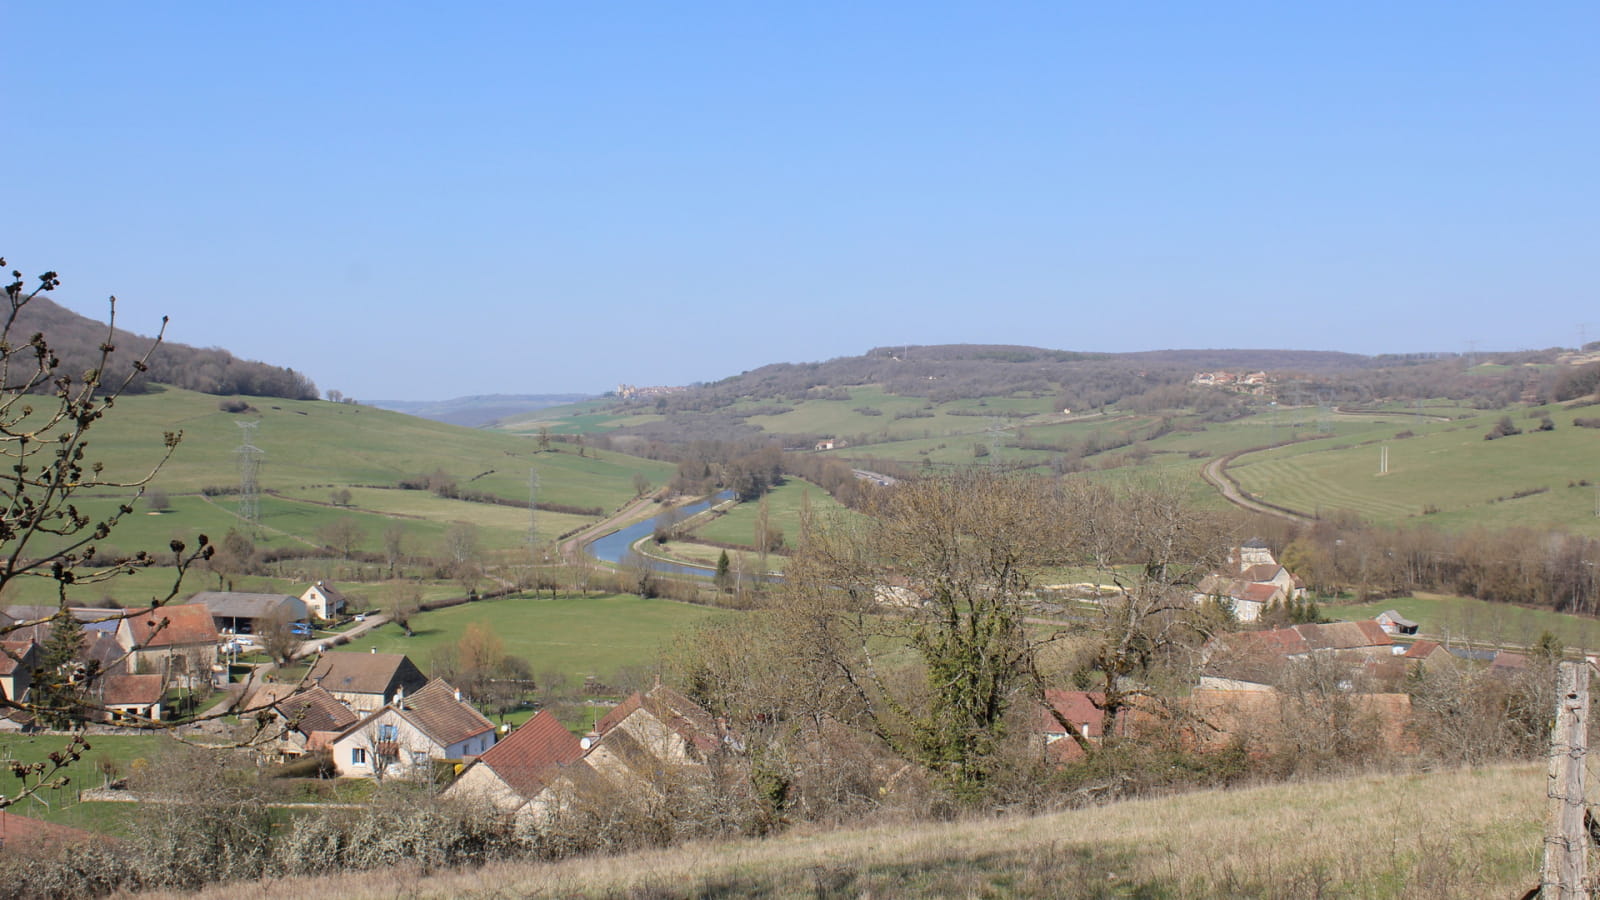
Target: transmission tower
533 507
249 465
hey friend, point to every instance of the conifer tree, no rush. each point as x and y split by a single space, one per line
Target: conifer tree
60 674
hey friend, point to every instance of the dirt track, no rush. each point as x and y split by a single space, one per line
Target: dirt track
1217 478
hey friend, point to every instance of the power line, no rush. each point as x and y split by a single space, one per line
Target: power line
249 465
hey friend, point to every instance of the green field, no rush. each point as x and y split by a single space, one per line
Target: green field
311 451
1447 474
1477 622
574 636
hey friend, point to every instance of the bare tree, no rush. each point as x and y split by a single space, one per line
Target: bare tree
1153 546
45 416
278 638
342 535
401 601
943 568
394 536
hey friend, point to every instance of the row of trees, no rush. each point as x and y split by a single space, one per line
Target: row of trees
1525 566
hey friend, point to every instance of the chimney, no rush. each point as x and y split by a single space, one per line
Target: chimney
399 694
458 695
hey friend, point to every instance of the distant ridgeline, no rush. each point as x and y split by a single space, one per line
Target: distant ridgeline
76 340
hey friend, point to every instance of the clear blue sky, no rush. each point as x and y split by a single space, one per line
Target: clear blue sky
419 201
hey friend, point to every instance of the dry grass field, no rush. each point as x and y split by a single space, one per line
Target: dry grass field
1456 834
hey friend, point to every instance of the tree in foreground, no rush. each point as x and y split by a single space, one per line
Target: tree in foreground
45 417
943 569
921 624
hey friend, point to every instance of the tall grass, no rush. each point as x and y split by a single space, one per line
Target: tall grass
1467 833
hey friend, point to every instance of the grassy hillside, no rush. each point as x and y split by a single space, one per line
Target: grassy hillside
1446 474
1443 835
311 451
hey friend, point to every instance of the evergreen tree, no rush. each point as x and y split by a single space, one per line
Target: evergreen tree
721 578
58 680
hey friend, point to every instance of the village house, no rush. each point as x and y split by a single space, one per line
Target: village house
1256 720
237 612
520 765
1239 659
645 740
310 717
323 600
1426 655
17 662
365 681
1082 711
127 698
178 642
406 737
1250 581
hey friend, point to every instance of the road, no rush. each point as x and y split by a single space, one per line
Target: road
1214 475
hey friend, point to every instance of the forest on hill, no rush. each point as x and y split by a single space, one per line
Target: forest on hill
76 340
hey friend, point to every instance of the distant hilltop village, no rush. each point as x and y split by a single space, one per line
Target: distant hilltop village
1251 382
630 391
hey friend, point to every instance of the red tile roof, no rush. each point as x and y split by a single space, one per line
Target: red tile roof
313 710
15 654
1422 649
365 673
130 690
1077 707
437 713
696 726
526 757
181 625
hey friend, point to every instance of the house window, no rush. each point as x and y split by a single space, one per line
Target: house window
358 757
387 732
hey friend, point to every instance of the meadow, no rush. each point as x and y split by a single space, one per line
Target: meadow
1447 834
1447 474
1467 620
574 637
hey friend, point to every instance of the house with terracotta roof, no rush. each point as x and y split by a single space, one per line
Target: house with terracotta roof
1255 720
519 765
407 736
671 726
178 642
310 718
1083 712
129 698
365 681
1250 581
648 738
1240 658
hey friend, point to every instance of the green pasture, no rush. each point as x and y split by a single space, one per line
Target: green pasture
322 444
1450 468
573 418
784 505
575 636
840 417
1477 622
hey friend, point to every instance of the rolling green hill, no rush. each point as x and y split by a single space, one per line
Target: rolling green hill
311 451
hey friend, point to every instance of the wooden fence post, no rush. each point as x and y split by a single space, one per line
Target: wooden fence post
1566 842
